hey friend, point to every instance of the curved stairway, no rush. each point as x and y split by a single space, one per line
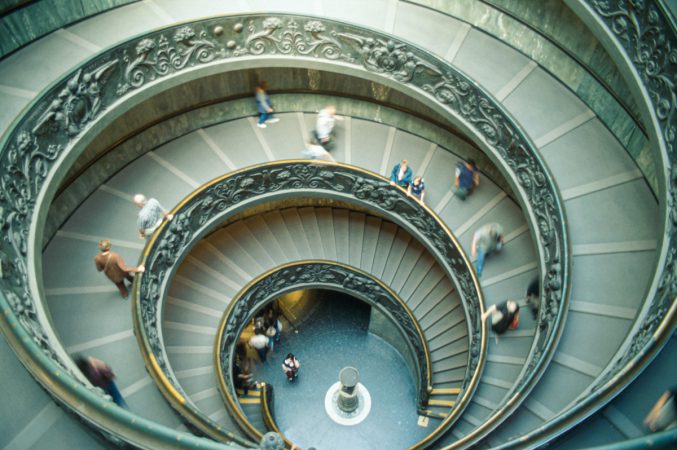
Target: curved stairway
611 267
222 264
258 244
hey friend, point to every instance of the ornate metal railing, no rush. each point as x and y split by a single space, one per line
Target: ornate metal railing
267 411
214 203
319 275
642 37
60 121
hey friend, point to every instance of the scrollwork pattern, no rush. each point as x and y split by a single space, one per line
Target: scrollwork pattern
217 201
650 42
59 118
328 276
289 40
161 56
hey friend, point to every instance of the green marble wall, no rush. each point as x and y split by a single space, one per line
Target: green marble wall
227 96
380 325
554 19
41 17
6 6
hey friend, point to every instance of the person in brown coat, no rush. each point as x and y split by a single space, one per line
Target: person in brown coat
114 267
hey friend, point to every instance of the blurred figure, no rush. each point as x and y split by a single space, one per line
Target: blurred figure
114 267
273 324
487 239
663 415
324 127
151 215
504 316
243 377
316 151
532 298
291 366
401 174
264 105
417 188
100 375
261 343
467 178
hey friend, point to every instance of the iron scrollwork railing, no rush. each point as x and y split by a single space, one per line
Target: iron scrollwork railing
647 35
215 202
51 130
316 275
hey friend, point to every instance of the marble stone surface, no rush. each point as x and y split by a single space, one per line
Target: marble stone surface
207 116
40 18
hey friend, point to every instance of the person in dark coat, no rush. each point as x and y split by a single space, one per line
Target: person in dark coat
504 316
100 375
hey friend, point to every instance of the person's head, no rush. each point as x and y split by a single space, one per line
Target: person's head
290 356
404 163
82 363
418 179
331 110
104 245
513 307
262 86
140 200
471 164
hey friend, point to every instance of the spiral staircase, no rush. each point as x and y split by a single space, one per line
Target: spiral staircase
177 117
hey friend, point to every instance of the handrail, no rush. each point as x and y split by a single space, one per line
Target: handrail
643 38
665 440
313 274
91 407
267 412
212 204
598 78
46 138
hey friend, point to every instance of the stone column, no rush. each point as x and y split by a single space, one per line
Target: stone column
347 396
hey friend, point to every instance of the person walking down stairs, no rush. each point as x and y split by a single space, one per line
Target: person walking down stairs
487 239
466 179
261 343
100 375
114 267
151 215
264 105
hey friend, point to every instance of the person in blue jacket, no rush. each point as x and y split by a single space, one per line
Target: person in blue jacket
264 105
401 175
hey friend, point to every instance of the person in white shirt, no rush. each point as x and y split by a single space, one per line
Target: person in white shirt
324 127
261 343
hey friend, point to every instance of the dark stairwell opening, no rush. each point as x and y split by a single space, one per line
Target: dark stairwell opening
327 331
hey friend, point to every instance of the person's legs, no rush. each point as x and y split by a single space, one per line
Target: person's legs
278 331
461 193
479 262
262 353
262 117
114 392
123 289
